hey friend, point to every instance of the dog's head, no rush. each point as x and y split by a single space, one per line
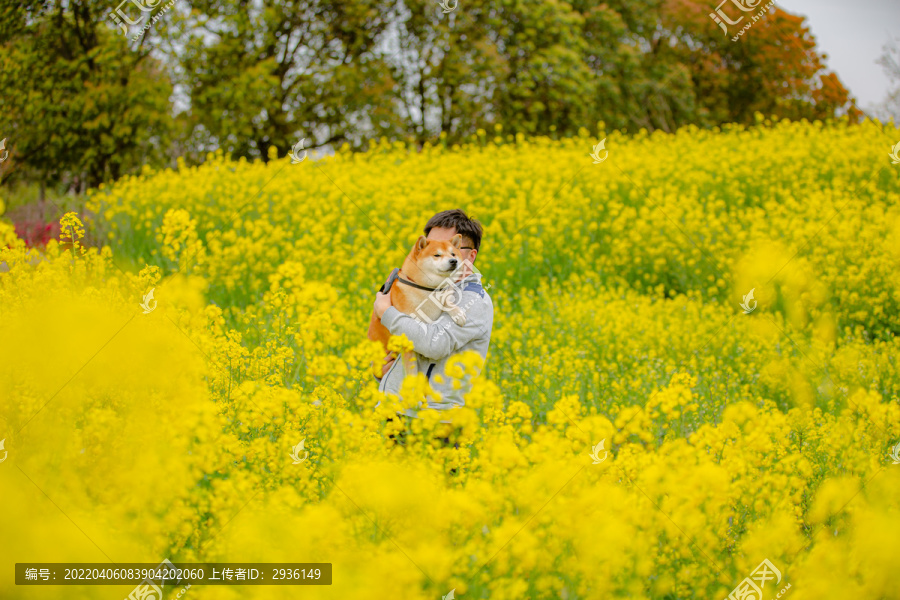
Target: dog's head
435 261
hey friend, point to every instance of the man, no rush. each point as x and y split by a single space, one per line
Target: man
436 342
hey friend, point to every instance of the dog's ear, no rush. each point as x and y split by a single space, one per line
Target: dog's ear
421 243
456 241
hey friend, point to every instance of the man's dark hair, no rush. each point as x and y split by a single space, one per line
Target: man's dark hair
466 227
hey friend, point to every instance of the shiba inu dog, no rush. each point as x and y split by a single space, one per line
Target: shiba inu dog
423 289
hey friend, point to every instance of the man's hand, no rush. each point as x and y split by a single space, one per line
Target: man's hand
382 303
388 361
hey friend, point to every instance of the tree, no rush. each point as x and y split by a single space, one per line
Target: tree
83 105
447 70
641 83
79 107
269 73
773 67
549 82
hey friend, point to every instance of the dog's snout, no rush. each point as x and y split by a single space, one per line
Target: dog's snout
453 262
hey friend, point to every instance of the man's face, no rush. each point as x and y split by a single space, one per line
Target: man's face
467 251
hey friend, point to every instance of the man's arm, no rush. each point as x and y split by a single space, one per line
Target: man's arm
390 357
443 337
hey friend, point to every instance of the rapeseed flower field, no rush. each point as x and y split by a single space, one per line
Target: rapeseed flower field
141 428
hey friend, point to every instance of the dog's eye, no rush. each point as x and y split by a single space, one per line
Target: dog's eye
437 255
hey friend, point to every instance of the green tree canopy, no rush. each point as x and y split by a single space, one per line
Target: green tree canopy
88 98
79 107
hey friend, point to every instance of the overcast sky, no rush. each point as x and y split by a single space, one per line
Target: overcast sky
852 33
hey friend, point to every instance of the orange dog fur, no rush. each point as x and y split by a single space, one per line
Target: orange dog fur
428 264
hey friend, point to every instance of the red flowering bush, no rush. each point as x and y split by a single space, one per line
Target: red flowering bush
37 233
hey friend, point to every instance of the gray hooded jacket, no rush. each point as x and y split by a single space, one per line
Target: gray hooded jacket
436 342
